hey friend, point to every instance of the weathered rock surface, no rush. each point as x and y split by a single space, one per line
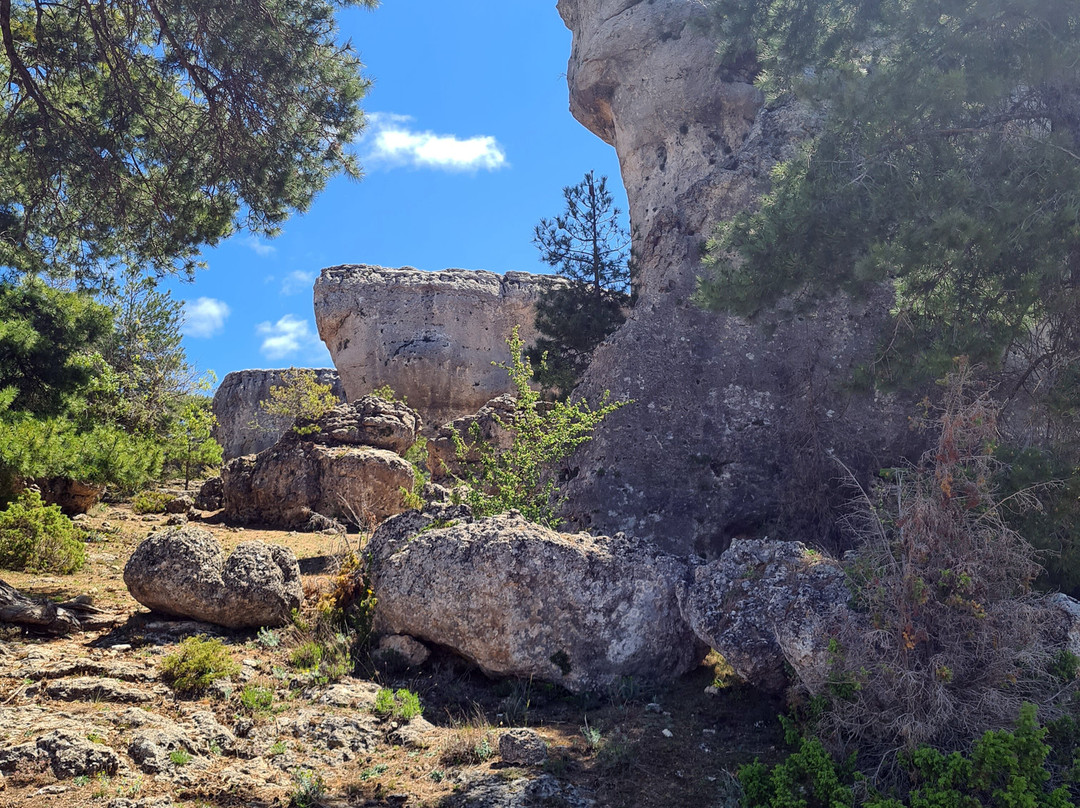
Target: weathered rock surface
495 791
431 336
729 414
184 572
443 462
72 496
336 471
210 495
67 753
522 747
764 604
521 600
236 407
403 648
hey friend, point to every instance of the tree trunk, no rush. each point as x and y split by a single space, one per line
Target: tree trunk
43 615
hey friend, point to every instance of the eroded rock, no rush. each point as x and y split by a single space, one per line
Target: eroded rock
431 336
521 600
765 604
210 495
183 572
522 747
443 461
336 469
71 755
732 420
242 426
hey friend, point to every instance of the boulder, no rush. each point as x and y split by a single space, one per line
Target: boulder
733 419
431 336
522 600
236 407
765 605
182 503
331 470
71 755
183 572
408 651
72 496
210 495
497 791
522 747
369 421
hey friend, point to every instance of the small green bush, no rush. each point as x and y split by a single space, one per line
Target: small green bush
1005 769
308 789
180 757
255 699
197 664
402 704
38 537
543 434
151 501
307 656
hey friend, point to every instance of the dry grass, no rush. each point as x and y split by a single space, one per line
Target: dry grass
950 641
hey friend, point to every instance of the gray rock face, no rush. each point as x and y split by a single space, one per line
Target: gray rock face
184 572
236 407
495 791
725 410
764 604
522 747
71 755
335 472
150 749
431 336
521 600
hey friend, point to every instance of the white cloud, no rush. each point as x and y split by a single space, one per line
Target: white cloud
289 335
297 281
204 317
390 141
260 247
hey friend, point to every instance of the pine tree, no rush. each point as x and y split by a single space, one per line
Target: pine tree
588 246
136 131
947 164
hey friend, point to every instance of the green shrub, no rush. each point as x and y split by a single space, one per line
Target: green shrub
40 448
1005 769
401 704
180 757
543 434
308 789
307 656
255 699
38 537
150 501
197 664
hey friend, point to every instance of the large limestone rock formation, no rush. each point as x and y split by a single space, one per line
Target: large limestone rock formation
236 407
733 421
431 336
521 600
344 466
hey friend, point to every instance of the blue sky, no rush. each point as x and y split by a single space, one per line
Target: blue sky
470 142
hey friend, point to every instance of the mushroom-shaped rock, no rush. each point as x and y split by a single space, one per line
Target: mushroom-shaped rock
184 573
522 600
765 603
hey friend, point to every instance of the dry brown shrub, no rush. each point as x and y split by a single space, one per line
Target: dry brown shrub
946 642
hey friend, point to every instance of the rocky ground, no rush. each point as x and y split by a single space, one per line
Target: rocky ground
87 719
